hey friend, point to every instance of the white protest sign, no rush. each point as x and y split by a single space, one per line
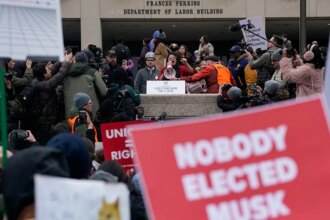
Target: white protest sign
255 26
327 81
63 198
31 28
166 87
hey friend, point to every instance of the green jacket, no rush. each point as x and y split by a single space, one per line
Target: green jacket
82 78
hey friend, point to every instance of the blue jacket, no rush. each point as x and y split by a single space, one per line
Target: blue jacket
237 69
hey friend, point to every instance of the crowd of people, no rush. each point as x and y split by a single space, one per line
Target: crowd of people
47 102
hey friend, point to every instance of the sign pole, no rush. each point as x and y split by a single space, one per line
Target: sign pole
3 116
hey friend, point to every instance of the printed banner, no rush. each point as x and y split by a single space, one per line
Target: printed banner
270 163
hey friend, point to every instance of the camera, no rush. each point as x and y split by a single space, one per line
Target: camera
72 49
97 62
245 46
9 76
18 135
82 116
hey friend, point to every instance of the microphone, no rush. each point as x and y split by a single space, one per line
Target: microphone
236 27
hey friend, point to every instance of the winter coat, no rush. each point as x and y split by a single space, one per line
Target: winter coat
308 79
82 78
144 75
161 52
142 60
206 50
45 108
210 74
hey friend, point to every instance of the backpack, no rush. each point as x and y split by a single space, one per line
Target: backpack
266 72
27 96
123 106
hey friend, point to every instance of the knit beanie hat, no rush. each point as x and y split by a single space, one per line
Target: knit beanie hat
271 87
75 152
234 93
81 58
276 56
89 54
80 99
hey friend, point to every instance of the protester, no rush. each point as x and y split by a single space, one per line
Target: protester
183 52
205 48
43 114
149 73
82 78
110 66
308 77
123 98
81 121
263 63
238 65
211 75
75 152
145 49
18 178
122 51
160 50
283 87
179 68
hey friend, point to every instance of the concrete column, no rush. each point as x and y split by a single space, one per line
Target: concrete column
302 26
90 23
256 8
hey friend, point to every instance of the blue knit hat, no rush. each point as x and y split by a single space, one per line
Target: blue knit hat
81 57
81 99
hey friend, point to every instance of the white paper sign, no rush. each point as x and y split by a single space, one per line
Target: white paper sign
254 25
327 80
166 87
63 198
31 28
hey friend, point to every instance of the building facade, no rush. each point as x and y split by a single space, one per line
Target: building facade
102 22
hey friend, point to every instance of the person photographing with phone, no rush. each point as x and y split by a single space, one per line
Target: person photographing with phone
81 121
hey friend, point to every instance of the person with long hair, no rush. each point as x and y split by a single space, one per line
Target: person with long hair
160 50
205 48
181 68
183 52
309 76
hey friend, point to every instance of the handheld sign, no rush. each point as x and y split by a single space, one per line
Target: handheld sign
254 25
31 28
116 145
271 163
327 80
63 198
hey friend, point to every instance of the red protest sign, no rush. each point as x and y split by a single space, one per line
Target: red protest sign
116 145
267 164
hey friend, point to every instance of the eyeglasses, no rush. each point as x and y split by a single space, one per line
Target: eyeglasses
150 60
